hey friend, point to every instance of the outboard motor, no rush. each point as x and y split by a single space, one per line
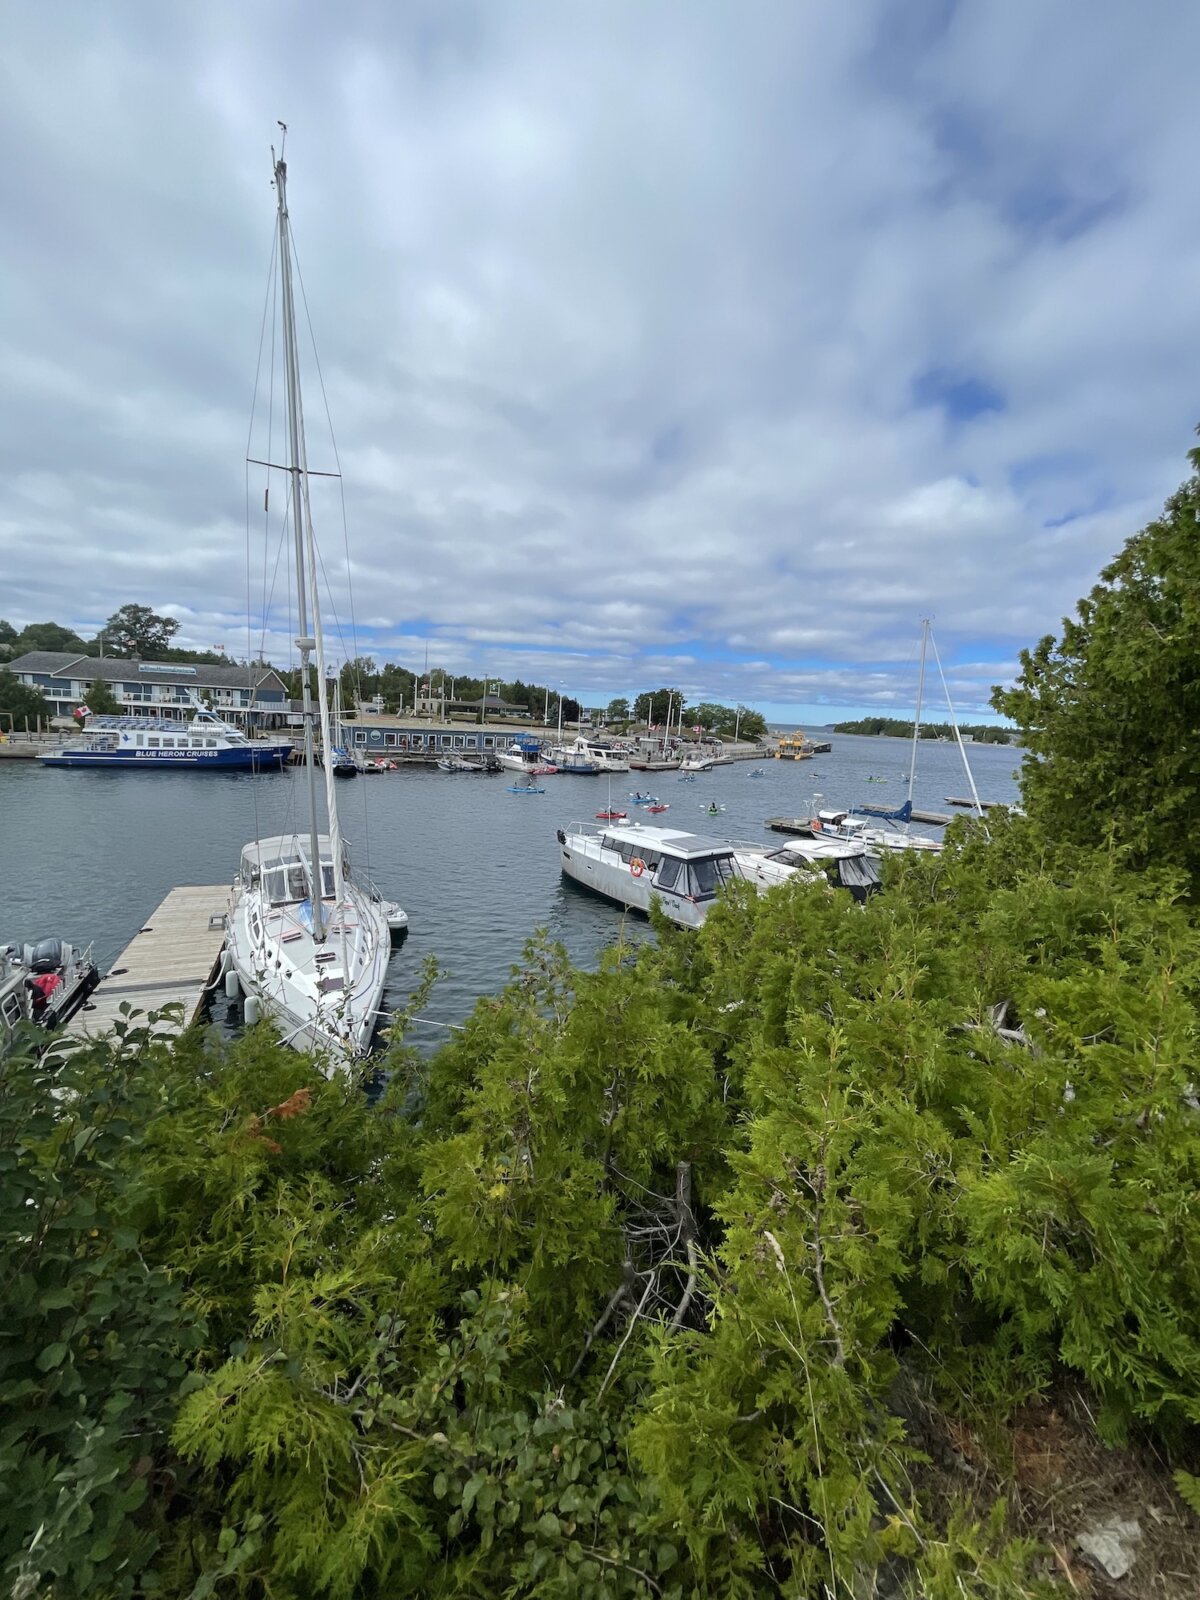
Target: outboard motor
45 956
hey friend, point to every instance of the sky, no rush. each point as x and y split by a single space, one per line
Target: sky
664 341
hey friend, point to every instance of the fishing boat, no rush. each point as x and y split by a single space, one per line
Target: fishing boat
308 945
44 984
203 744
634 864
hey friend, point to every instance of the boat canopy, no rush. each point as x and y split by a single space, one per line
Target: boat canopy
282 865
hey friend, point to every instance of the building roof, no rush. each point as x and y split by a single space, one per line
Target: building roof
118 669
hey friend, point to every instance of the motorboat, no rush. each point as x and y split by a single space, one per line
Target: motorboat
204 744
307 944
341 763
603 756
524 755
459 764
697 764
844 826
567 759
847 866
635 863
44 984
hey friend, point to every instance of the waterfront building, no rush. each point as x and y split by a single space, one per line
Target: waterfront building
248 696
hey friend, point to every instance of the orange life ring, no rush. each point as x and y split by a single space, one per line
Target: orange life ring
637 866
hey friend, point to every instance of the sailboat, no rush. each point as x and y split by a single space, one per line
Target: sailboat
306 944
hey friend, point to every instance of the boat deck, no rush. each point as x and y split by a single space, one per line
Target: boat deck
172 959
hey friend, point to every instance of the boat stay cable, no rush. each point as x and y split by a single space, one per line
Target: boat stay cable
954 724
337 461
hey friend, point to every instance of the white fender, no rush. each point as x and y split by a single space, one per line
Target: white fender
253 1010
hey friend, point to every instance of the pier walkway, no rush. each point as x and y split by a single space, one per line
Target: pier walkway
173 958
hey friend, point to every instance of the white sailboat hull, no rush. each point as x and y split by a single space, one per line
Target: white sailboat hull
326 994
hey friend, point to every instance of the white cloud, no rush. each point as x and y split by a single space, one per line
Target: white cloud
623 313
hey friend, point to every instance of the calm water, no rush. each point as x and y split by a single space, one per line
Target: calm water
89 855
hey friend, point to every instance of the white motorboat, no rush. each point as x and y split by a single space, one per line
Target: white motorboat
634 864
44 984
307 945
602 755
847 866
849 829
525 755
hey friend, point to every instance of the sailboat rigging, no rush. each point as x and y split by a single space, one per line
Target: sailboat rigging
307 944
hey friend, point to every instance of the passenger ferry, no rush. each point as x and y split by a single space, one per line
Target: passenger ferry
205 743
634 864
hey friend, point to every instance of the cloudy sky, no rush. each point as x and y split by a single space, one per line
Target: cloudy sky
698 342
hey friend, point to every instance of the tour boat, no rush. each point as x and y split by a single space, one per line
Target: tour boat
635 863
205 744
307 945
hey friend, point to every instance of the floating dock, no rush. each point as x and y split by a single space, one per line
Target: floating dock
173 958
985 805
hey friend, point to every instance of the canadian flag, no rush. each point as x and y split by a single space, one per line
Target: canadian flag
83 711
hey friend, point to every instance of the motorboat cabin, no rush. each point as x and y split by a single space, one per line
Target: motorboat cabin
635 864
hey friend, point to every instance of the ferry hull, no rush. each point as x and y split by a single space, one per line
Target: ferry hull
268 759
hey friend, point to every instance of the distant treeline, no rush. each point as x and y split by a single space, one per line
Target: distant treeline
981 732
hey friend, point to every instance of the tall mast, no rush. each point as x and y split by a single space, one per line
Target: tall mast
308 598
912 770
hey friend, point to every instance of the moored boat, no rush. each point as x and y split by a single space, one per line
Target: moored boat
44 984
205 744
635 863
307 944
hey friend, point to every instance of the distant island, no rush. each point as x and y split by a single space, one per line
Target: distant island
981 733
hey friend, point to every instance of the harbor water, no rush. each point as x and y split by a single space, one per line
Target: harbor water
88 855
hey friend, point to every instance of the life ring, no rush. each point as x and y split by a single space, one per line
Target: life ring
637 866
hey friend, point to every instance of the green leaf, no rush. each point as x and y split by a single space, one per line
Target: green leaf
52 1356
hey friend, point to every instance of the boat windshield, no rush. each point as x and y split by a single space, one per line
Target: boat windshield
284 881
707 874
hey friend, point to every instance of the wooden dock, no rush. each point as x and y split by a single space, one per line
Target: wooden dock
986 805
173 958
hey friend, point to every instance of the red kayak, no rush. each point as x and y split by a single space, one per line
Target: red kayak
611 816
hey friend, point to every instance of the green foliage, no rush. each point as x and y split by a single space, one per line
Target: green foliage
617 1294
18 702
136 630
100 699
50 636
95 1338
726 722
618 710
652 707
897 728
1109 710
